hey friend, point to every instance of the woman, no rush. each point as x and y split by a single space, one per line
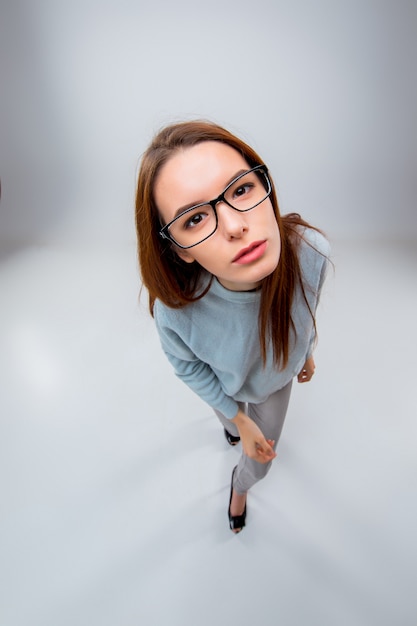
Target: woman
233 285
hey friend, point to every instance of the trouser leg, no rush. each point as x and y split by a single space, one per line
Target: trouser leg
269 416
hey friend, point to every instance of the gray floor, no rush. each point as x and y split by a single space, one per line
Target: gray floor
115 478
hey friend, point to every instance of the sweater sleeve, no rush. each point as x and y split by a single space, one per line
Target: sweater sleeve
196 374
322 249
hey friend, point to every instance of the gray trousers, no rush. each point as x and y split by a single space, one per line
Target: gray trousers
269 416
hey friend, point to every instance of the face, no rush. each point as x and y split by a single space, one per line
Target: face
246 246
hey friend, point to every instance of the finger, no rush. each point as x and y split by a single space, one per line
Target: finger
304 376
261 459
264 448
266 453
272 443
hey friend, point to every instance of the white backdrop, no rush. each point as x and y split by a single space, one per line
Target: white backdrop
325 91
114 476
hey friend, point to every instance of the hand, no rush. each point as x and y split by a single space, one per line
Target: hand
307 372
254 444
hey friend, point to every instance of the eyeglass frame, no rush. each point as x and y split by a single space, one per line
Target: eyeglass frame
164 233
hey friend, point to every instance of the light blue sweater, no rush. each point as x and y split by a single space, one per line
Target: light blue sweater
213 344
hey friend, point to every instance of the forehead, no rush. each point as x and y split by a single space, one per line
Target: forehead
196 174
207 154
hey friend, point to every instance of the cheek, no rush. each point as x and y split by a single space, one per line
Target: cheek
277 247
183 254
211 258
273 225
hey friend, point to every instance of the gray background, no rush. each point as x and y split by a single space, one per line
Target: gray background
114 476
325 91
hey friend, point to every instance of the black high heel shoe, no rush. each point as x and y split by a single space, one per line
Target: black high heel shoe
232 440
236 522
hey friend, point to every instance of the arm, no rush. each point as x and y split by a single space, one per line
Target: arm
196 374
254 444
202 380
307 372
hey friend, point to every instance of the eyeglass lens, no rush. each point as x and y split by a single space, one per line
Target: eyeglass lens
199 223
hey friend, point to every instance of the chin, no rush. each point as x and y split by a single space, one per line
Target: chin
271 267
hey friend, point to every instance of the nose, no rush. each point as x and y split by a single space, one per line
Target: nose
233 224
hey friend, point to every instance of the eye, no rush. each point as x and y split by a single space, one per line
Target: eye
195 220
242 190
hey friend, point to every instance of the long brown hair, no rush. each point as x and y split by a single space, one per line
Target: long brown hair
175 282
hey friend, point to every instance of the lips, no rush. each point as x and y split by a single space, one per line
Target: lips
251 253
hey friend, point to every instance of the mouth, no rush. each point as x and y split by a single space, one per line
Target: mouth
251 253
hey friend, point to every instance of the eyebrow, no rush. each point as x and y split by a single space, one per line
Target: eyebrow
191 204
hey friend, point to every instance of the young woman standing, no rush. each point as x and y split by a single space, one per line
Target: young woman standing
233 286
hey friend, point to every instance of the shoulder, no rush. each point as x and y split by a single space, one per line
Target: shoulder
166 316
179 319
313 256
315 241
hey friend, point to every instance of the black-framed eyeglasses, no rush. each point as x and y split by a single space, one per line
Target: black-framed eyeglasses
199 222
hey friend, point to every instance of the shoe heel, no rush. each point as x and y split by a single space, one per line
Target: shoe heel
236 522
